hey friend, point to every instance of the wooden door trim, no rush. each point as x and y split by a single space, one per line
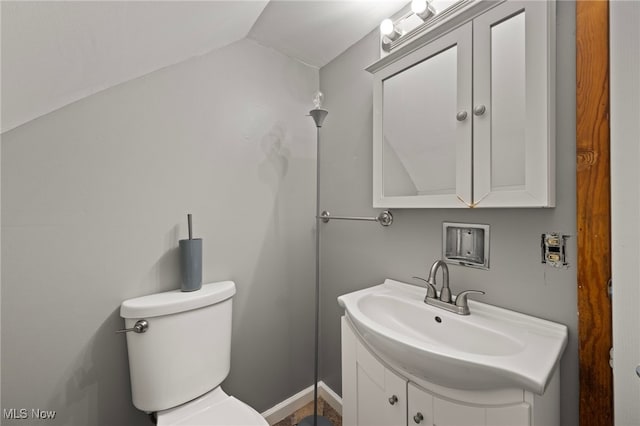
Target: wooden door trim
593 211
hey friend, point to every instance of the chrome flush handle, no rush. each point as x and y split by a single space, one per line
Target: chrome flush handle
140 326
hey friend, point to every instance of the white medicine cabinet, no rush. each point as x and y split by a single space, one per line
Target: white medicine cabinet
464 111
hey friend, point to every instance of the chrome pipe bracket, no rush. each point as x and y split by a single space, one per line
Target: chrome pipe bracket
385 218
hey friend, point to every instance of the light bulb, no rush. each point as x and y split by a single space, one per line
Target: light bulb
418 6
386 27
423 9
389 30
318 97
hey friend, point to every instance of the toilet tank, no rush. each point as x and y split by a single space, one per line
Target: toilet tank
186 349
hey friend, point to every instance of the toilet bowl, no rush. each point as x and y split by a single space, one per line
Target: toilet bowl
214 408
179 347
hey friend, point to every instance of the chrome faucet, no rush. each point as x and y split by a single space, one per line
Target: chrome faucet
460 306
445 293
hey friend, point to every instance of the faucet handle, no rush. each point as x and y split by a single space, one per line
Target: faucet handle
431 289
461 299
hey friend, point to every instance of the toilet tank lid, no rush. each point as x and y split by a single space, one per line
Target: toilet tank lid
171 302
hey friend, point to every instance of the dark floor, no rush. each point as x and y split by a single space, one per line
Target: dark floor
324 409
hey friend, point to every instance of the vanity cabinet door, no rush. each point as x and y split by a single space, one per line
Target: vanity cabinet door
381 403
448 413
513 105
422 126
372 395
427 409
512 415
420 406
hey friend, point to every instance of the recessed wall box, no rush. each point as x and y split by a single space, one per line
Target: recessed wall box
465 244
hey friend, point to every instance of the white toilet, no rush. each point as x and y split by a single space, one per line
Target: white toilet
179 348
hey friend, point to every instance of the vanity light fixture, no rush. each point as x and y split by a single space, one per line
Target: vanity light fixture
391 31
422 9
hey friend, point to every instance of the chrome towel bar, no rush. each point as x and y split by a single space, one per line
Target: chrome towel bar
385 218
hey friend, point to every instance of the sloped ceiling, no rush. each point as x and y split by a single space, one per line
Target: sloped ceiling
54 53
57 52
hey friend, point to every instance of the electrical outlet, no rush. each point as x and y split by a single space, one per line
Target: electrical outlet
553 247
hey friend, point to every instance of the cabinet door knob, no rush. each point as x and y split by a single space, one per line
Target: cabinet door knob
461 116
479 110
393 399
418 417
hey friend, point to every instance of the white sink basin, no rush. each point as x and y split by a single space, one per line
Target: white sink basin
492 348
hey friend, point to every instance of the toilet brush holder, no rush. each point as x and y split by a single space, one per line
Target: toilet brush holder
191 264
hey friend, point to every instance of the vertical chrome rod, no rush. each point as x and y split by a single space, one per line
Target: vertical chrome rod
318 115
317 343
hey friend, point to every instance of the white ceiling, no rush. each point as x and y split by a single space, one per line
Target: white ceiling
315 32
57 52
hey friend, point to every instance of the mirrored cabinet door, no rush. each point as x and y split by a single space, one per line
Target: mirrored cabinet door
422 149
512 105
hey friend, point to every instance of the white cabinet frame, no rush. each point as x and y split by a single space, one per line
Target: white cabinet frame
471 33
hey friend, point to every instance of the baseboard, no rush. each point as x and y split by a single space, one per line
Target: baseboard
289 406
292 404
332 398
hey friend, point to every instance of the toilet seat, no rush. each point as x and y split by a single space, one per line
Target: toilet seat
214 408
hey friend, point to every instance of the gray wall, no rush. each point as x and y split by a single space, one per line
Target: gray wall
356 255
94 200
